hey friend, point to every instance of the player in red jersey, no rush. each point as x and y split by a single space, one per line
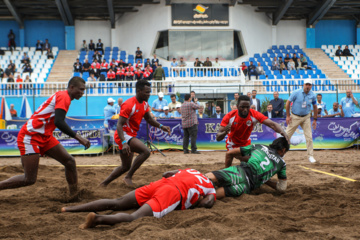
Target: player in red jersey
177 190
238 125
36 137
131 114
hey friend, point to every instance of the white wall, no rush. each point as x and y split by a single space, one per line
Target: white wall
291 33
86 30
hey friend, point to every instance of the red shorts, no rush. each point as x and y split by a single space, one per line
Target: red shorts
162 196
36 143
118 141
231 145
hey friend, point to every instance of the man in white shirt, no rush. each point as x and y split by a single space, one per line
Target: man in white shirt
255 101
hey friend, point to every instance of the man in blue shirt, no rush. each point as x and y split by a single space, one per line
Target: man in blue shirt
177 112
348 104
109 111
302 100
336 111
158 105
118 105
166 114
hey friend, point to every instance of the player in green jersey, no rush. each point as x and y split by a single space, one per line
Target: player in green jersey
263 164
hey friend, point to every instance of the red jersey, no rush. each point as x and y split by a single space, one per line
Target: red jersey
129 69
104 65
138 73
241 128
192 184
95 65
134 112
42 121
129 73
111 75
146 74
120 72
139 65
149 69
113 63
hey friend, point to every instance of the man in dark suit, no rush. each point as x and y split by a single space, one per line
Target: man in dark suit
277 105
270 113
255 101
218 113
100 47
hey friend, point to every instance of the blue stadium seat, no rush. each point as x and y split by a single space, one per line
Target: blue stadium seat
274 47
270 51
301 71
322 76
116 49
261 77
130 56
288 47
123 53
296 47
279 76
297 76
107 49
270 76
257 55
252 59
277 51
166 70
272 55
85 75
305 76
309 71
281 47
76 74
268 72
285 72
276 72
314 76
318 71
288 76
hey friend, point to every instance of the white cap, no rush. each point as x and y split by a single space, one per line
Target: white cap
110 100
178 105
308 81
161 95
166 108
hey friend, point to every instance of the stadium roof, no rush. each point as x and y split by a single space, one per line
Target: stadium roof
69 10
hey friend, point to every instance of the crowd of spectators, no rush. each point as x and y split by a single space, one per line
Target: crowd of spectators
343 53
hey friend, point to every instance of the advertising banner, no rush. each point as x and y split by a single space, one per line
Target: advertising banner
200 14
331 133
8 142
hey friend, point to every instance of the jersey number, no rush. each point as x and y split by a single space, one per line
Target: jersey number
264 163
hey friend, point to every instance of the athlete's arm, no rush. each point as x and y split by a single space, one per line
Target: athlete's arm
119 128
206 202
149 119
230 155
277 128
279 186
170 173
60 123
223 131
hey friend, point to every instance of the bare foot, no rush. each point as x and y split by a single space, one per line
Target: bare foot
89 221
63 209
128 182
102 185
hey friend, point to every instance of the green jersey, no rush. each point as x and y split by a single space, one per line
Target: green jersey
264 163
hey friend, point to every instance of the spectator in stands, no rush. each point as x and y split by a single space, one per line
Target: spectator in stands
10 79
197 63
348 104
339 52
8 71
104 66
77 66
13 67
120 73
244 68
138 73
49 54
159 75
252 71
158 104
166 114
303 59
298 64
278 106
129 68
147 63
100 46
207 109
182 64
154 60
46 45
291 65
84 46
218 114
95 68
336 111
201 113
11 37
177 112
155 66
86 67
97 56
174 64
207 63
129 74
138 54
138 64
111 75
28 80
255 101
113 67
113 63
27 67
13 112
275 64
260 69
38 46
147 73
91 78
189 123
118 105
91 45
1 72
270 113
25 57
287 60
194 99
319 114
321 104
150 69
217 65
233 103
172 105
19 80
346 52
109 111
121 62
294 58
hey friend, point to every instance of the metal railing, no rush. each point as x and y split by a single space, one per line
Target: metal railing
229 72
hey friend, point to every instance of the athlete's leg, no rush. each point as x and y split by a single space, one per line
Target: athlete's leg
230 155
93 220
60 154
128 201
126 161
30 164
139 147
220 193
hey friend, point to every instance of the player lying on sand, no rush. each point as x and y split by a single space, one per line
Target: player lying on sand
263 164
177 190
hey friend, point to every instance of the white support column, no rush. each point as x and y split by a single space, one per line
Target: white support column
113 37
273 35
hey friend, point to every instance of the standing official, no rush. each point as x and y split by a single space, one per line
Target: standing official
278 105
189 124
300 115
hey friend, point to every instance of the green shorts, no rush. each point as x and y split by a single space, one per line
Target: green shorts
234 181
